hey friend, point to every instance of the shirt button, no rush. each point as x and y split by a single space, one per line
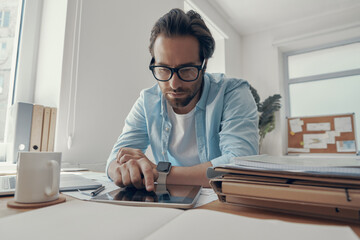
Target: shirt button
167 129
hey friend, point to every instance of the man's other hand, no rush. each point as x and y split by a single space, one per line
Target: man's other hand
133 168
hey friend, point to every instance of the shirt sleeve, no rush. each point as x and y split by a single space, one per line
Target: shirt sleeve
134 134
239 125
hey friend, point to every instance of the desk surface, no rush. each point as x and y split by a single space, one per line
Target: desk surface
222 207
265 214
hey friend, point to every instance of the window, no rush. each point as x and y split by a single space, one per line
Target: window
324 81
19 43
1 84
5 16
9 33
3 52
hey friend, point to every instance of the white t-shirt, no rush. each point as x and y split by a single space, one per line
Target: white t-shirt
182 143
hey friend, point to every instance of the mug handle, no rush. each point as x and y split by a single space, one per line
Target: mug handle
56 180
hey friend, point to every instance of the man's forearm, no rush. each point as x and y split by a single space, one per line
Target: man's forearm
195 175
111 169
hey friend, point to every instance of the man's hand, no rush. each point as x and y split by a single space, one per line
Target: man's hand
126 154
133 168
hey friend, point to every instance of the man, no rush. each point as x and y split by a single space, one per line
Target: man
191 119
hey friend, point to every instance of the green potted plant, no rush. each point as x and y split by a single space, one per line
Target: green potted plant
266 110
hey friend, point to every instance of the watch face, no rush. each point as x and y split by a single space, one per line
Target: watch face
163 166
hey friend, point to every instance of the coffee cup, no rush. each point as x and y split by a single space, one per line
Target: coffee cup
38 177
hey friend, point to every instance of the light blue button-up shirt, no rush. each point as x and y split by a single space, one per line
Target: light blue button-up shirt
226 122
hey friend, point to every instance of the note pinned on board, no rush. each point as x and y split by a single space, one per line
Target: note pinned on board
345 146
296 125
331 136
318 141
300 150
343 124
318 126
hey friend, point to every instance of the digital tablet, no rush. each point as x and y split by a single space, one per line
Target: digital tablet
174 196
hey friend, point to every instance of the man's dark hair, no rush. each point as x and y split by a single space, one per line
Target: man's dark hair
178 23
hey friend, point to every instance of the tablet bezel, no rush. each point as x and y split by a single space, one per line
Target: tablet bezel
196 190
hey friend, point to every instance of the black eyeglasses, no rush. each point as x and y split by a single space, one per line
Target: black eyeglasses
187 73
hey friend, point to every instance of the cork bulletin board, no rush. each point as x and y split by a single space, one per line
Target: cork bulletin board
322 134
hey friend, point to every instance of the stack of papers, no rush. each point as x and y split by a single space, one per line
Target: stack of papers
329 189
346 167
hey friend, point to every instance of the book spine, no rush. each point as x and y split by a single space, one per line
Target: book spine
19 130
303 194
36 128
45 129
52 128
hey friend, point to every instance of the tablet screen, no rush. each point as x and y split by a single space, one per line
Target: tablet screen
165 195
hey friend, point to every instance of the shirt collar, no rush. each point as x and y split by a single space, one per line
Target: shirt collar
205 92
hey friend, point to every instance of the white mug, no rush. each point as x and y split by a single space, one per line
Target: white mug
38 177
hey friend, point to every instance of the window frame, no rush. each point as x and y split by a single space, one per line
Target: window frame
312 78
23 74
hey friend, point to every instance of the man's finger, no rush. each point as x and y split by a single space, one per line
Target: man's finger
126 181
125 154
125 158
135 175
123 151
147 171
117 177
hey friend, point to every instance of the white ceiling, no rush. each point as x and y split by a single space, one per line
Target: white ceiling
251 16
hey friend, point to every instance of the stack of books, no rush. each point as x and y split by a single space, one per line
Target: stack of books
319 187
31 128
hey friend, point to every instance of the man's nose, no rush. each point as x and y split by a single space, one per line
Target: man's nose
175 81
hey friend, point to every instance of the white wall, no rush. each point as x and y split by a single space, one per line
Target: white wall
50 54
93 59
233 64
106 70
262 58
111 70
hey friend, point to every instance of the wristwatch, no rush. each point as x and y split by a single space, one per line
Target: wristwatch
163 168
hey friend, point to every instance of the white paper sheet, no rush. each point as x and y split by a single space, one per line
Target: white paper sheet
97 176
296 125
299 150
345 146
304 167
315 141
85 195
7 168
349 162
331 136
207 195
343 124
318 126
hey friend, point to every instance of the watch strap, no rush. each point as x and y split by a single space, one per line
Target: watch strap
162 177
161 189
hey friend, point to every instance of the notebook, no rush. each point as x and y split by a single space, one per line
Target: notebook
68 182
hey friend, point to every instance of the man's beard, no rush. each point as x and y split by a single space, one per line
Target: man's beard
184 101
180 102
188 94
